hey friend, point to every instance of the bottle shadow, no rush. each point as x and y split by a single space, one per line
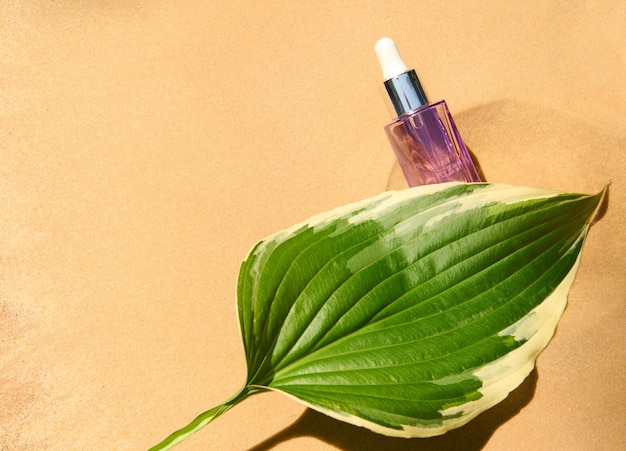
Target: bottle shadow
471 437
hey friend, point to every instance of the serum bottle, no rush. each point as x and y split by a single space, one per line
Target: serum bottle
424 138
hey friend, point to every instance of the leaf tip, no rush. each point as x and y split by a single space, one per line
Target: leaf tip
603 203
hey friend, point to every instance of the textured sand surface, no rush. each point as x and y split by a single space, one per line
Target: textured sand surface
146 146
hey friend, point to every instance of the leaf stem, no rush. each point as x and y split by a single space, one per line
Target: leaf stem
205 418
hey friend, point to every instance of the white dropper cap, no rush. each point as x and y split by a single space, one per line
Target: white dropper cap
403 86
389 57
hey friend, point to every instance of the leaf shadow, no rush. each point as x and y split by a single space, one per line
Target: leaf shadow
471 437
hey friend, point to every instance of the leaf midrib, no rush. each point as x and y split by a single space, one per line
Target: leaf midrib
277 364
309 361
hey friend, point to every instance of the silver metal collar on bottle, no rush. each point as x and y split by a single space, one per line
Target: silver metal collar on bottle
406 92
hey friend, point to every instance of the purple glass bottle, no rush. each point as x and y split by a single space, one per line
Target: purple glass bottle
424 137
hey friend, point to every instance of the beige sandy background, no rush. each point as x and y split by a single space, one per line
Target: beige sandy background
146 146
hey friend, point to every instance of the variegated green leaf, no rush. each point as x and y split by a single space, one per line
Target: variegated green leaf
411 312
